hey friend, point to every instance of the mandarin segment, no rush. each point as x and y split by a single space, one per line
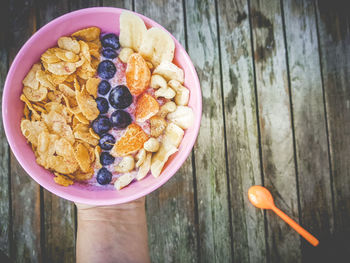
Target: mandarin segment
137 74
130 142
146 107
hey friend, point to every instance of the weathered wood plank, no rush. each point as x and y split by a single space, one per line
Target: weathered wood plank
210 164
58 214
79 4
334 40
276 127
316 213
26 219
241 130
5 207
25 192
171 206
126 4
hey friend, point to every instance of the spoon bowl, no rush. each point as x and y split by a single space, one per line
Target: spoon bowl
260 197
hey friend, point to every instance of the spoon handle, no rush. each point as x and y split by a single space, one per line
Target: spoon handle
305 234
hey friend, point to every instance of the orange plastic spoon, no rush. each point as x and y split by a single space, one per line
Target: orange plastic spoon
260 197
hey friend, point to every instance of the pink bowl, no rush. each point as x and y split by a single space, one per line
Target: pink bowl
12 108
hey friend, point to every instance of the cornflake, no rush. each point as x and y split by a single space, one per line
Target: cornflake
58 108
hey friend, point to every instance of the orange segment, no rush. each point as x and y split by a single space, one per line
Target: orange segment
137 74
146 107
130 142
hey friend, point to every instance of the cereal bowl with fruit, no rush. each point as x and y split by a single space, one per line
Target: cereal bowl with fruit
102 106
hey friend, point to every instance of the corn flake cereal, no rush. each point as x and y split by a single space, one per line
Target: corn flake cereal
80 176
30 80
63 180
43 79
88 34
87 104
86 137
58 108
32 129
82 155
92 85
69 44
35 94
61 68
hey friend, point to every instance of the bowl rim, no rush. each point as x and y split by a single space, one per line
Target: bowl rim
69 196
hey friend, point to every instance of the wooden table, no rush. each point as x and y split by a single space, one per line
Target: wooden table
275 79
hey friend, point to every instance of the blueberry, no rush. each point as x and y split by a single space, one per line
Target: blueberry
109 53
107 141
101 125
102 105
104 87
110 40
120 97
104 176
120 119
106 158
106 69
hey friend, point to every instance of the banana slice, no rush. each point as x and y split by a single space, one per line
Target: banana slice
173 135
144 168
125 53
157 46
140 157
159 159
123 181
132 31
182 116
170 71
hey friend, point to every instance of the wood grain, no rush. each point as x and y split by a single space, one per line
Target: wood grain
5 200
276 127
334 41
210 163
309 122
26 219
58 214
241 130
126 4
25 192
171 206
79 4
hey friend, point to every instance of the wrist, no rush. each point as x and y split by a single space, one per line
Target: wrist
102 213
